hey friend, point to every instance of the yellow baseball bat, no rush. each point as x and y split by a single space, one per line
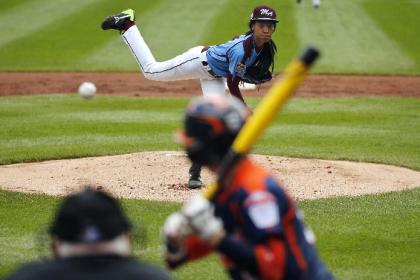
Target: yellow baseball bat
264 114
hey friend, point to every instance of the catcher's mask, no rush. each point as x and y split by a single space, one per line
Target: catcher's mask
88 217
263 13
211 124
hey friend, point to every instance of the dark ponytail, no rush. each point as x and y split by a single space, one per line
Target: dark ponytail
266 57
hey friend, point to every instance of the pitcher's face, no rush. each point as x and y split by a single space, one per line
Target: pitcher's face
263 30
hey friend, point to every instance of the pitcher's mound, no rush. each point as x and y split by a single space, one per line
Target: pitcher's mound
163 176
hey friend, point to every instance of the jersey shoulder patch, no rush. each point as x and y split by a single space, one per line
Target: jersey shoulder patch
240 69
263 210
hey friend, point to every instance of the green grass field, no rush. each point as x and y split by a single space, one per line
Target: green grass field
383 130
352 231
369 237
358 36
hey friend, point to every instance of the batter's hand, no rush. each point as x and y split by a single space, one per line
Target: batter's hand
175 230
199 213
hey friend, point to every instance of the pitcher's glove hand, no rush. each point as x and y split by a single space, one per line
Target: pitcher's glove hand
199 213
253 75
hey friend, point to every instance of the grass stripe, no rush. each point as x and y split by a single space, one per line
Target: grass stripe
368 237
166 32
126 117
349 39
112 53
63 45
63 126
163 27
365 36
6 6
34 15
396 24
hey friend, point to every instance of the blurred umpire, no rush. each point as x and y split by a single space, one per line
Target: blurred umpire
252 222
90 240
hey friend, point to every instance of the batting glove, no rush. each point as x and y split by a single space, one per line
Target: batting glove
176 227
175 230
199 213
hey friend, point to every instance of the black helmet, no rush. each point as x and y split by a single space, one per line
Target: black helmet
211 125
88 217
263 13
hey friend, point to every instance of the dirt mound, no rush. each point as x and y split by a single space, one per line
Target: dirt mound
163 176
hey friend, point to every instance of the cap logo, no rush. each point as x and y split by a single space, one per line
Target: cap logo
266 12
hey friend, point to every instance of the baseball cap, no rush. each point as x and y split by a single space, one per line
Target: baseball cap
263 13
88 217
211 124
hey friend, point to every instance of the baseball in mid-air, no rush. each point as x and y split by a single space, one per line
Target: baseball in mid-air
87 90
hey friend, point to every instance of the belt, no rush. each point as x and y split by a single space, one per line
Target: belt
207 66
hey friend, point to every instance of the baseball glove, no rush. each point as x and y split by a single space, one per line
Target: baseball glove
256 75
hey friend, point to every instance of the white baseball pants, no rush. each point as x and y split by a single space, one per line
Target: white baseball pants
182 67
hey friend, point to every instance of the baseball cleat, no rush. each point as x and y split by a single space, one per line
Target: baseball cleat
195 182
117 21
195 176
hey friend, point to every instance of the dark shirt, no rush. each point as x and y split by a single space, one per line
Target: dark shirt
90 267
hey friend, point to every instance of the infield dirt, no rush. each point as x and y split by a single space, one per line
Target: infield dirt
134 84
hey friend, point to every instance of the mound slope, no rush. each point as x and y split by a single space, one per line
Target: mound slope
163 176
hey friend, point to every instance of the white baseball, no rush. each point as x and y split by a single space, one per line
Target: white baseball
87 90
